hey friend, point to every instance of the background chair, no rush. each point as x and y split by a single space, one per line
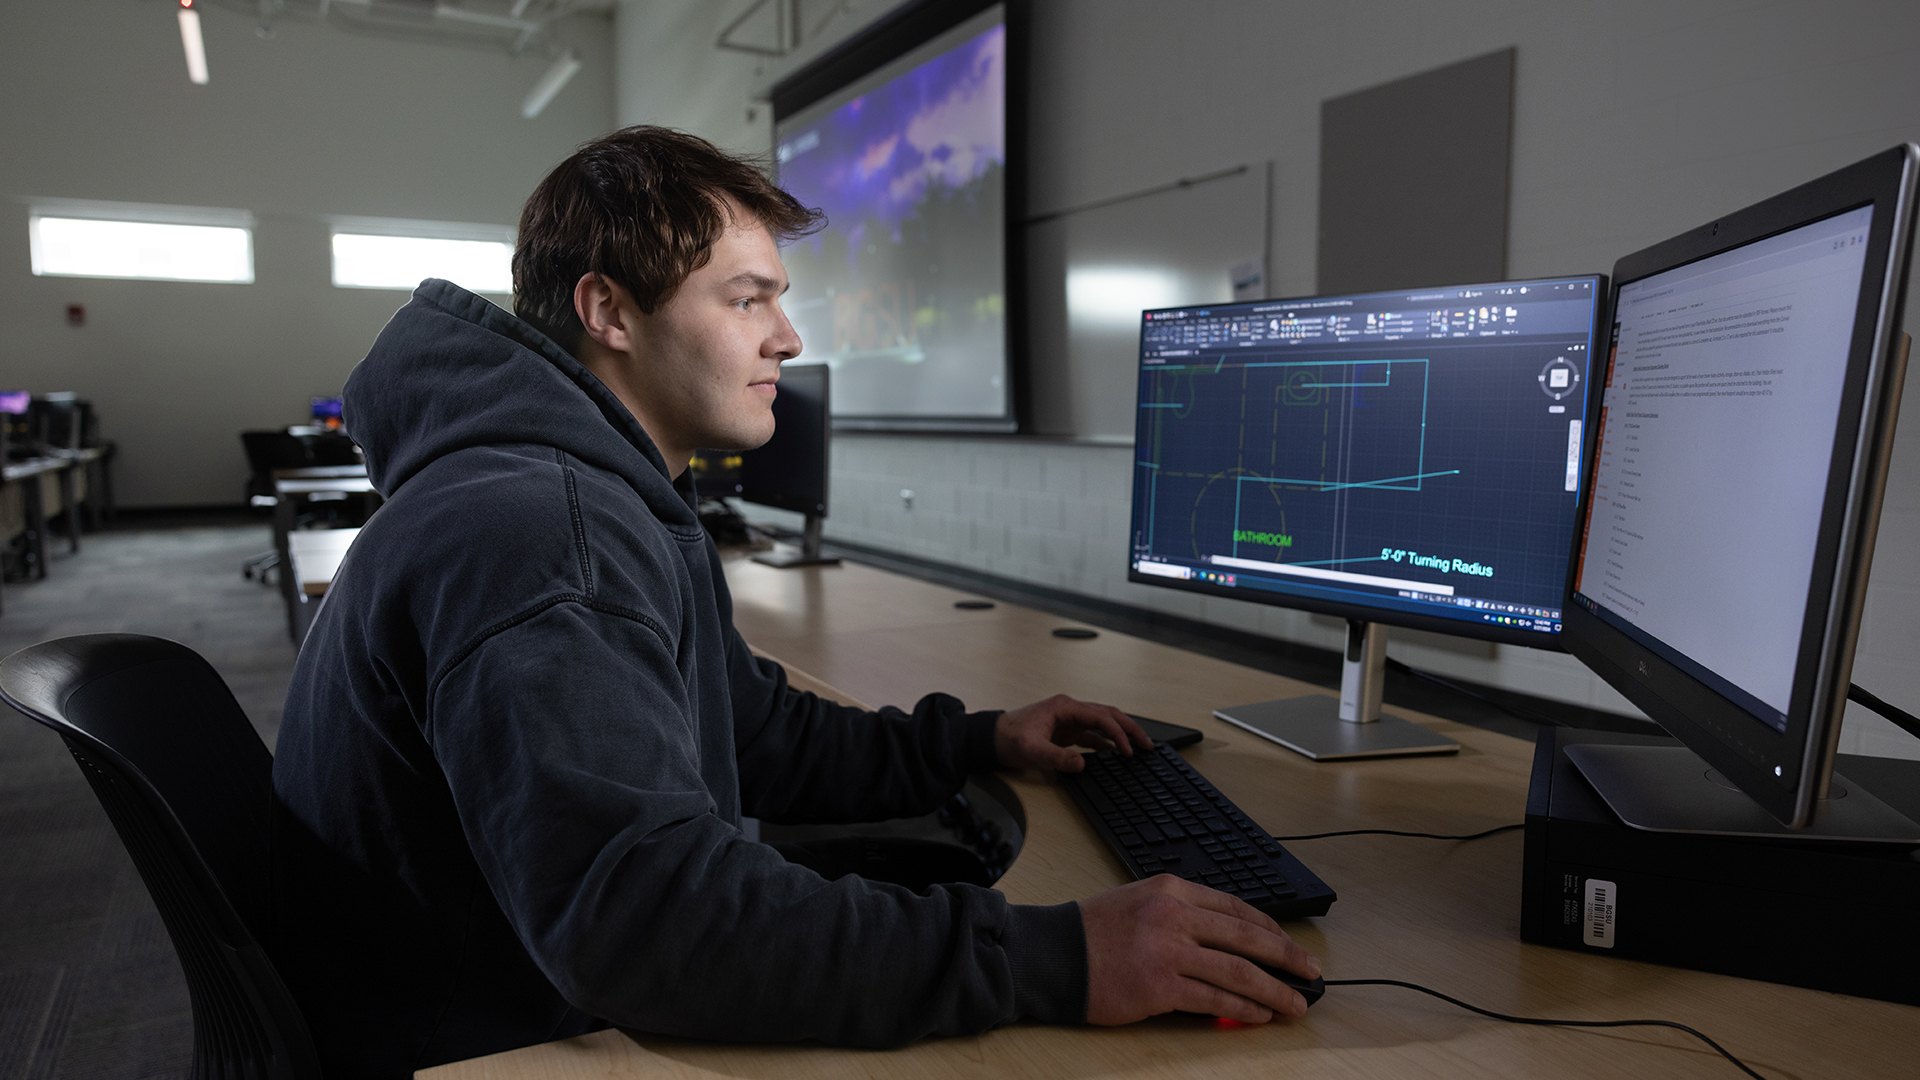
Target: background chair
267 451
188 786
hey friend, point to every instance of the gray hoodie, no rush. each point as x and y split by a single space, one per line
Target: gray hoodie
522 733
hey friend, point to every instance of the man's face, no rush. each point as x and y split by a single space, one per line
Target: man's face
704 363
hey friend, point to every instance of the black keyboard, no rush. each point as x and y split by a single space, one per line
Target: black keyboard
1162 817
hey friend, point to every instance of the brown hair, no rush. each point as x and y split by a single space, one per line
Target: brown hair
643 207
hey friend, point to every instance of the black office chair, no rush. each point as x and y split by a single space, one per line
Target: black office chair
267 451
332 448
188 785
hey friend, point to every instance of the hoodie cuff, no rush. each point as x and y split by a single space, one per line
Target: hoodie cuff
978 741
1047 956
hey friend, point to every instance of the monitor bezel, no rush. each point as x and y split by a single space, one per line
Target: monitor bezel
1707 722
1389 616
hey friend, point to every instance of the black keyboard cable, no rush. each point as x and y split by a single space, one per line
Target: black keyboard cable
1495 831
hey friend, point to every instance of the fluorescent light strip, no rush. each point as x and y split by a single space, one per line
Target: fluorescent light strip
550 84
196 48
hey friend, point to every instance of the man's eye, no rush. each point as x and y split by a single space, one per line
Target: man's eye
744 305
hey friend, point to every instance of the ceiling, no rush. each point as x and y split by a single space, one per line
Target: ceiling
513 25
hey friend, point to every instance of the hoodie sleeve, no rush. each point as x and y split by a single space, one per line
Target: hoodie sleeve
805 759
568 748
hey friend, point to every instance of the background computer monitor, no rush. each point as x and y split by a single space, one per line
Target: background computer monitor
1748 413
327 413
790 471
1411 458
59 423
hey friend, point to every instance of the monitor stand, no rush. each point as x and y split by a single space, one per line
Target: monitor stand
1671 789
1326 729
786 558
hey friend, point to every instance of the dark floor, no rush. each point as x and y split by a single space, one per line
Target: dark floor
89 984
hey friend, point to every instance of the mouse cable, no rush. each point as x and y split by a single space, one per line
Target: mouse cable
1544 1022
1495 831
1900 717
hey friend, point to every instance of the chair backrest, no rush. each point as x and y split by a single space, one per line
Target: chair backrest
188 786
270 450
333 448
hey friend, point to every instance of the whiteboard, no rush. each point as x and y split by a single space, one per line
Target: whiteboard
1092 271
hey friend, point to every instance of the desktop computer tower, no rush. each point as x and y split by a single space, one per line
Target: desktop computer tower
1829 917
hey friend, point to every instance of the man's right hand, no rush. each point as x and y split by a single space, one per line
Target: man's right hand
1168 945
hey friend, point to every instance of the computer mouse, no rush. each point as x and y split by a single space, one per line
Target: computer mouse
1310 989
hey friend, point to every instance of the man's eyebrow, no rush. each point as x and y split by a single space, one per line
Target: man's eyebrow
759 281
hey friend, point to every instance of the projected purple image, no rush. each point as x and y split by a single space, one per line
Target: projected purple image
904 291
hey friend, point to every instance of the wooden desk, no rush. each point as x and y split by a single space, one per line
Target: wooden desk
313 558
322 472
1446 915
316 555
292 487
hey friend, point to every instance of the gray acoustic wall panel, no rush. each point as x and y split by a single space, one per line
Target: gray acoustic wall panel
1413 179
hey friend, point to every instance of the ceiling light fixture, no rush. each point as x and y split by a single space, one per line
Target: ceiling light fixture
550 84
191 41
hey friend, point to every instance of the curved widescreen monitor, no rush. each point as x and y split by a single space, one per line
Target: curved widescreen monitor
902 138
1748 411
1411 457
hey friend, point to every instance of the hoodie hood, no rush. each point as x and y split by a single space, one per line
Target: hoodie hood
452 371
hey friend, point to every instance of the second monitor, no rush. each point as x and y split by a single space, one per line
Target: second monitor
1411 458
789 472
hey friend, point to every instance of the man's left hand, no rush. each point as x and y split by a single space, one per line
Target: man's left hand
1042 735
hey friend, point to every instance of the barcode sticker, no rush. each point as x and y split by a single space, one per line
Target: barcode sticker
1602 904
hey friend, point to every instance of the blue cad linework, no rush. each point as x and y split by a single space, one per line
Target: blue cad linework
1288 452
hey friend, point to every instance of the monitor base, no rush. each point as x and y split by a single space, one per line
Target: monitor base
1350 726
786 558
807 554
1311 726
1670 789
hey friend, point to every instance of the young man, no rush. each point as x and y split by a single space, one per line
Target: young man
523 732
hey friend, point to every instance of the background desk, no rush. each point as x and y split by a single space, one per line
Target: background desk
1446 915
293 488
34 476
313 558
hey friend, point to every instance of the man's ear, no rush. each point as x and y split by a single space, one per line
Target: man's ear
606 311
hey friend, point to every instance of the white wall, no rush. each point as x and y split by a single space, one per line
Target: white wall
667 71
314 121
1633 120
